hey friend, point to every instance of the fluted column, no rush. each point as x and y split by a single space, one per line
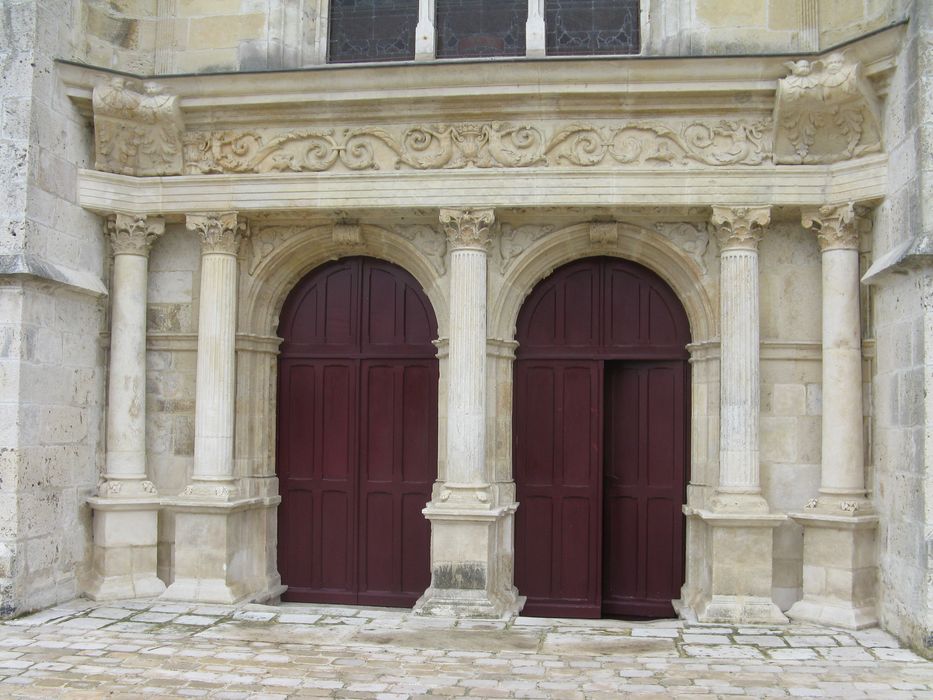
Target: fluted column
468 237
216 369
839 560
739 230
471 572
736 588
843 458
126 512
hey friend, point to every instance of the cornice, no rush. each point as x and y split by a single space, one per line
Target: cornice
532 88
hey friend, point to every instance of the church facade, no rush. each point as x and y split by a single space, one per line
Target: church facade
574 309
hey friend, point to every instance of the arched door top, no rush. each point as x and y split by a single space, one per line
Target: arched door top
603 307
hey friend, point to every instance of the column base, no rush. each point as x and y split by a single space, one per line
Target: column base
125 549
224 551
839 570
737 583
471 563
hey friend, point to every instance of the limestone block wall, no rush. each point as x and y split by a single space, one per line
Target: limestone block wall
51 316
903 327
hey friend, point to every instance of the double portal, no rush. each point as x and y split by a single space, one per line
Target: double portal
600 430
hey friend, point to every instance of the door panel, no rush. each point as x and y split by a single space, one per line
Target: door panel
644 487
557 526
357 435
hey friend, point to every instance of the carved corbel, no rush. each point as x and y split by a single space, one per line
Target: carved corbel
137 132
468 229
739 228
825 111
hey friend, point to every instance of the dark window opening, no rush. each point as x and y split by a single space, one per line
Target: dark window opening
591 27
372 30
468 28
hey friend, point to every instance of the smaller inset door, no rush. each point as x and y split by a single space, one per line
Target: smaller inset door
643 488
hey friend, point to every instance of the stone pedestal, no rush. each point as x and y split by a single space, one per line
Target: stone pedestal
839 562
471 564
126 512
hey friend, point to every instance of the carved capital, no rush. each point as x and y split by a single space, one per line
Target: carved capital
836 226
348 235
468 229
220 233
133 235
739 228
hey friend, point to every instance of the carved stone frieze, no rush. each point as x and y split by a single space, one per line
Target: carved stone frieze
836 226
514 240
137 133
825 111
693 240
739 228
468 229
479 145
219 233
133 235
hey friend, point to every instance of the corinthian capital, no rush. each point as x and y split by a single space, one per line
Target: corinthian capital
468 229
836 226
220 233
739 228
133 235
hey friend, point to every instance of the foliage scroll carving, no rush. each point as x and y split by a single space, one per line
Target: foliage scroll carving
479 145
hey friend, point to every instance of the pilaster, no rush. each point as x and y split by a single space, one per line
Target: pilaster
126 510
471 528
739 524
839 564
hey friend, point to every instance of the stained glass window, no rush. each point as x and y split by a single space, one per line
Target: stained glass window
480 28
372 30
590 27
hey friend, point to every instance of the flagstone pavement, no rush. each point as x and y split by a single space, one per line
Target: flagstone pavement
149 648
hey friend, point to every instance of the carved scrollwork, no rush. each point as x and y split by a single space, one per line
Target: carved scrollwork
825 111
137 133
478 145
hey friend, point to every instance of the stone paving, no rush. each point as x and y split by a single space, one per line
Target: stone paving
139 649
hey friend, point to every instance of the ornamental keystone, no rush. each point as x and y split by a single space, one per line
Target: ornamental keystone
220 233
836 226
739 228
133 235
604 233
468 229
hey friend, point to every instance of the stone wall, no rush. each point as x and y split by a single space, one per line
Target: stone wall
51 315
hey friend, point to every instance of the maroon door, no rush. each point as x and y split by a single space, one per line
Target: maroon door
357 427
600 453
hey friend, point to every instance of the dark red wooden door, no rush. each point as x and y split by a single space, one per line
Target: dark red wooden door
600 451
357 427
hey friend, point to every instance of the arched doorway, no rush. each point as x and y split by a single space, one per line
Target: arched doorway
601 442
357 435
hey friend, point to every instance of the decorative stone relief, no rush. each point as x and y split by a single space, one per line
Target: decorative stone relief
133 235
693 240
825 111
604 233
430 243
350 235
740 227
514 240
479 145
219 233
836 226
468 228
266 239
137 133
